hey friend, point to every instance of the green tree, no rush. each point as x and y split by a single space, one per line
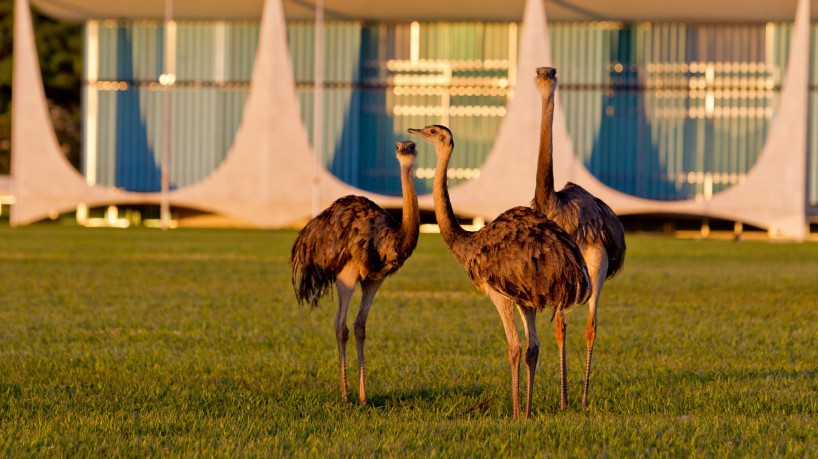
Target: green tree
60 47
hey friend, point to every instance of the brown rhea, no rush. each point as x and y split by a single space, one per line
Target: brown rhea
521 259
590 222
355 241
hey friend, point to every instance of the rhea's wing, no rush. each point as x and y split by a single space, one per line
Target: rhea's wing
342 234
589 220
528 258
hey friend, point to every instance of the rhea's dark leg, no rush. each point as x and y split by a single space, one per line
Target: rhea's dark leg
559 333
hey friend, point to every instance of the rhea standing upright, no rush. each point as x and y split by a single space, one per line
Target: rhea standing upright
590 222
521 259
355 241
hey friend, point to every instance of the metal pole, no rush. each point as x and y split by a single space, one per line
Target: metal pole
167 80
318 106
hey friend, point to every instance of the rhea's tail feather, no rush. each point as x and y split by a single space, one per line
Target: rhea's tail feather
574 283
311 281
577 287
614 242
584 294
577 272
616 255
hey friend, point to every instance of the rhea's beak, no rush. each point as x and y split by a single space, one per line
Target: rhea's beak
414 131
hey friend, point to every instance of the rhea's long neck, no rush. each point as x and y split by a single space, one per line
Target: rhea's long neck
450 229
544 195
411 213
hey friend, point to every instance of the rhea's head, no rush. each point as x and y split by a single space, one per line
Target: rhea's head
546 81
436 134
405 152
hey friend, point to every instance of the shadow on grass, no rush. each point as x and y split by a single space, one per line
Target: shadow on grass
427 395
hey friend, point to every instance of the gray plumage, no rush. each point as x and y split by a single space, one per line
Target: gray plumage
520 260
355 242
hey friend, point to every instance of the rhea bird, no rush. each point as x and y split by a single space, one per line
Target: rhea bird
355 241
521 259
590 222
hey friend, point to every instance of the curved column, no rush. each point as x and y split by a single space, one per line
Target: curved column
264 181
773 196
267 176
257 183
507 175
43 182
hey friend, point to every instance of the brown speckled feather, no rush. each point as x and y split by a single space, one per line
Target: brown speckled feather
588 220
352 230
521 258
526 257
354 242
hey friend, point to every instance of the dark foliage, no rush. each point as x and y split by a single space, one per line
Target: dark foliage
60 48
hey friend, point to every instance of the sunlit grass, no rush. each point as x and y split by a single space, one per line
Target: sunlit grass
142 342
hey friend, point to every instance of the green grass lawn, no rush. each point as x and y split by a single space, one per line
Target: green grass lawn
189 342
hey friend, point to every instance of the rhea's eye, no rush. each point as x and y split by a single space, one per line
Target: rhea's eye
432 131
